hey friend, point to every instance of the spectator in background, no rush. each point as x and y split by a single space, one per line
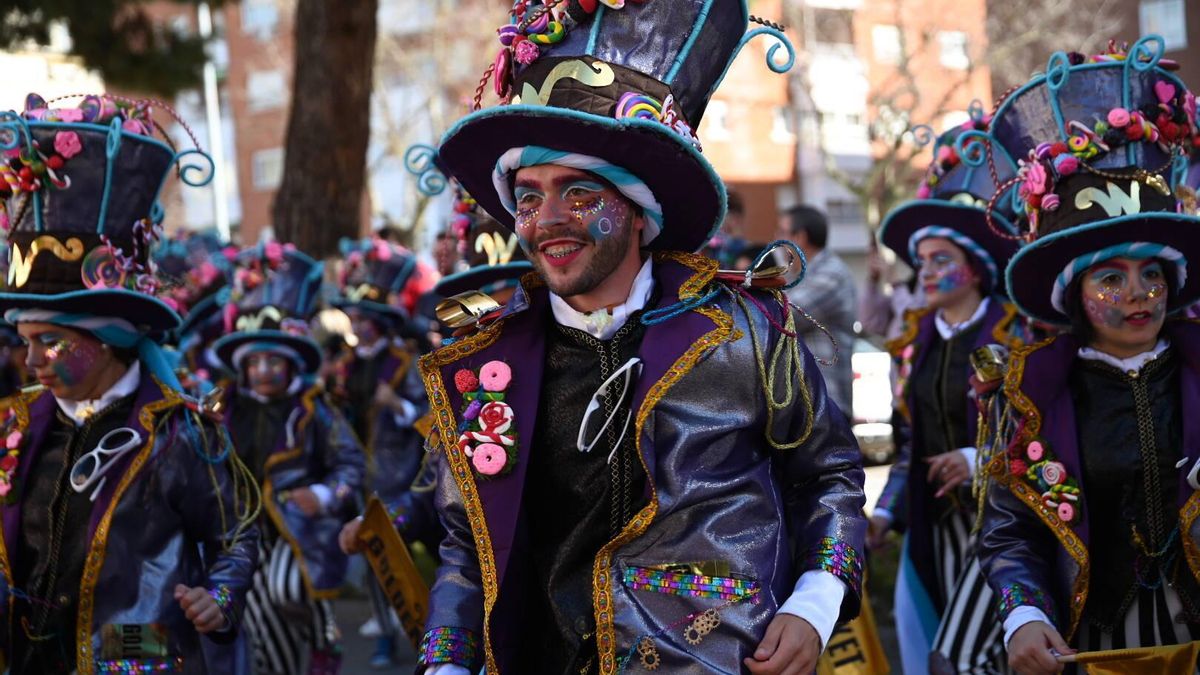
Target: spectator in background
729 243
828 295
884 301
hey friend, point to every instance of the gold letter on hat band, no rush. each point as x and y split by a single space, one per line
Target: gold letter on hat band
22 265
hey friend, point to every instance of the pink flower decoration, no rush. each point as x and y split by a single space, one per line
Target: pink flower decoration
66 143
496 417
489 459
1035 178
1066 164
1035 451
13 441
527 52
1118 117
1066 512
495 376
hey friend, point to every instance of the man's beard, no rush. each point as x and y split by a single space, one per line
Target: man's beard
610 252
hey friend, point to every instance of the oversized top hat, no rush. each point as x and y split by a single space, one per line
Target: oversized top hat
80 201
273 297
952 202
1099 147
373 274
616 88
196 266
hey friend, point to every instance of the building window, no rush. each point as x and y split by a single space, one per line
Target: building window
833 26
266 168
266 90
845 212
1166 18
717 117
886 43
952 47
260 18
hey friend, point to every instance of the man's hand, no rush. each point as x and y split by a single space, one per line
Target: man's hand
1029 649
200 608
791 647
348 537
877 529
949 470
306 500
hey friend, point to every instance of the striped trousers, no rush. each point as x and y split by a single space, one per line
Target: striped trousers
285 627
1152 621
970 637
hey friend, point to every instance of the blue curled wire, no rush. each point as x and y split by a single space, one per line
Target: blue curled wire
1149 46
12 123
972 147
976 110
922 135
206 167
419 161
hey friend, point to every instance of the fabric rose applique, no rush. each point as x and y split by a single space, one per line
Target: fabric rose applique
487 434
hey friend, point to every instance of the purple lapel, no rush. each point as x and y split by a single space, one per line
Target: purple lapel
148 392
41 411
1185 337
522 345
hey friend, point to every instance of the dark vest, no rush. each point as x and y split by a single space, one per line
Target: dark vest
940 408
257 427
1130 439
576 502
53 543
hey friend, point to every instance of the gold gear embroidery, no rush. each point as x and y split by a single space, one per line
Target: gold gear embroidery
649 654
702 626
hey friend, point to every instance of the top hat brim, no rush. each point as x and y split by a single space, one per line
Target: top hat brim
149 315
905 220
306 347
1032 273
479 277
691 194
199 315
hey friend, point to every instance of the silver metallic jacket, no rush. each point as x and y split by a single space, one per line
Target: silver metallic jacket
166 515
719 495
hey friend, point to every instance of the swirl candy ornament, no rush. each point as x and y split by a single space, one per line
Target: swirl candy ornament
101 269
639 106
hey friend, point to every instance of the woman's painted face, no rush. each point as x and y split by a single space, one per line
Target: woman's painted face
268 374
944 272
64 361
1125 301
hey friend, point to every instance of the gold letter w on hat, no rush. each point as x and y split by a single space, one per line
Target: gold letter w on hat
22 265
1115 202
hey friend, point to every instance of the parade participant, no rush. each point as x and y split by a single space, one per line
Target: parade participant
945 610
302 452
1089 530
378 386
127 526
631 479
197 268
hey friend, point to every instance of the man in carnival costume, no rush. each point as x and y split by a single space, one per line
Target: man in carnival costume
640 470
128 543
1089 533
378 386
945 610
303 454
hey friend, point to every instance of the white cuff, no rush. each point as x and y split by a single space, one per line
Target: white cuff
1020 616
407 414
970 454
447 669
323 494
817 599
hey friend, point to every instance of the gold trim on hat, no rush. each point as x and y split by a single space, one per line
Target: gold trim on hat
22 265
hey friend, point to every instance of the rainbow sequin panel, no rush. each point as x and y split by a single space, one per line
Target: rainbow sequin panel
449 645
138 666
689 585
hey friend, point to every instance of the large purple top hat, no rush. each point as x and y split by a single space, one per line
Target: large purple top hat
274 295
952 202
80 201
616 88
1098 144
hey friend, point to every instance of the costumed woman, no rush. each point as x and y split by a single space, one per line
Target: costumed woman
303 454
377 385
1089 535
127 522
944 611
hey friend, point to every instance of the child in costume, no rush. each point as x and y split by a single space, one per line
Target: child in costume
945 611
301 451
127 523
1089 532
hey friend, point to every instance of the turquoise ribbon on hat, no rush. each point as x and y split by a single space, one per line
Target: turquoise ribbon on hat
959 238
1136 250
110 331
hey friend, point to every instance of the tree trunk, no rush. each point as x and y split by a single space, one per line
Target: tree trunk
324 173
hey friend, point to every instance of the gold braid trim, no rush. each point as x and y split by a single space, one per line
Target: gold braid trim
85 664
601 590
308 401
1187 516
912 325
444 422
1012 386
1003 333
19 404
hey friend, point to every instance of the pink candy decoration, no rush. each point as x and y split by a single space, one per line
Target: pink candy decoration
67 144
1165 91
13 441
496 417
382 250
908 352
1066 164
1118 117
274 251
1066 512
1054 473
527 52
1051 202
1035 179
1035 451
489 459
5 486
924 192
495 376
